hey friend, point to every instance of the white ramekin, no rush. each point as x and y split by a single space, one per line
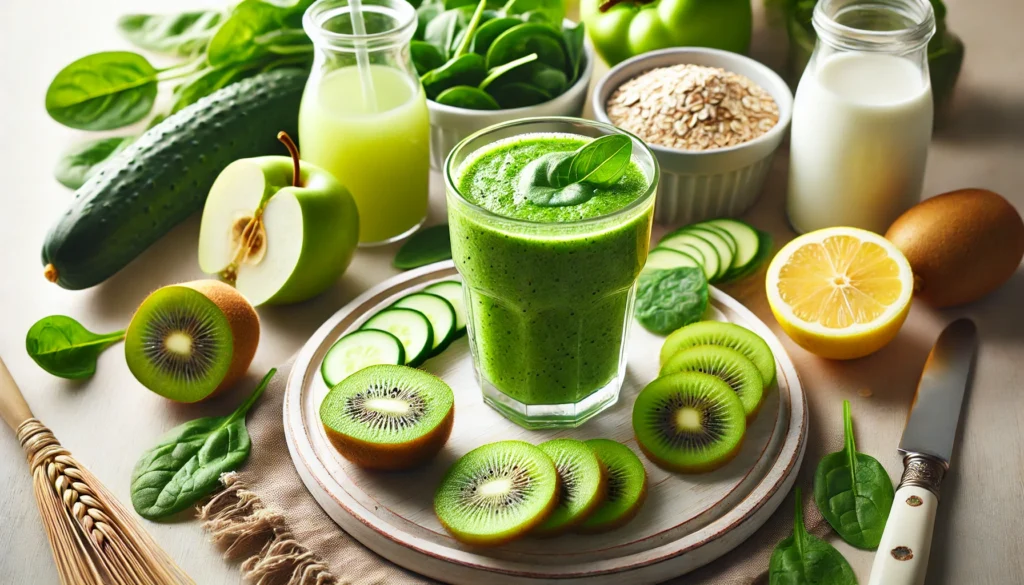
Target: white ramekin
449 125
698 185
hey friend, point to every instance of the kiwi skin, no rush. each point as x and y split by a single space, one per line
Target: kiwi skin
583 528
394 457
602 490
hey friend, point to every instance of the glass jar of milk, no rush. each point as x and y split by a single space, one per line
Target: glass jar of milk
364 113
862 118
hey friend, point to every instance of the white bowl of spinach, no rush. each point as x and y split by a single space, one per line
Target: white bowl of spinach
482 62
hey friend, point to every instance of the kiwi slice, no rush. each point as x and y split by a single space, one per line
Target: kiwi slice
625 489
389 417
728 335
497 493
581 484
188 341
689 422
728 364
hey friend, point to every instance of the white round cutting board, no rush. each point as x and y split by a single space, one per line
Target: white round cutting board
687 520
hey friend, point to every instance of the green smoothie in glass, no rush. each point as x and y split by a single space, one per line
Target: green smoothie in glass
549 286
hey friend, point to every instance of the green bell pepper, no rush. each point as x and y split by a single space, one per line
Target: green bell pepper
621 29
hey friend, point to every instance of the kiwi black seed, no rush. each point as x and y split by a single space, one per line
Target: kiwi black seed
723 334
389 417
497 493
581 482
188 341
728 364
689 422
625 488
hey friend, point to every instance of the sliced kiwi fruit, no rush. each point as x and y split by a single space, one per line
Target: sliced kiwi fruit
728 335
728 364
625 488
497 493
581 485
188 341
689 422
389 417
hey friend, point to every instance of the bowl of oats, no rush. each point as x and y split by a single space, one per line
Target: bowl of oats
714 120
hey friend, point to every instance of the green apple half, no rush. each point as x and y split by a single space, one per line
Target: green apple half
275 242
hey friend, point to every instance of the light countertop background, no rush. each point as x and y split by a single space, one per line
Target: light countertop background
109 420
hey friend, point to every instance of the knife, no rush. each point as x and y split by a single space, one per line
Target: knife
927 446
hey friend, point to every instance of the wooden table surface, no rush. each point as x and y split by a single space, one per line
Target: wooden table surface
109 420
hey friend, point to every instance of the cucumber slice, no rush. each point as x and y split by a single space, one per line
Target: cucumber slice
728 237
357 350
725 253
747 243
438 311
451 291
764 251
668 258
712 262
411 327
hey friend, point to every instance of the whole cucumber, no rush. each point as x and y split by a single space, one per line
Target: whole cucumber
165 176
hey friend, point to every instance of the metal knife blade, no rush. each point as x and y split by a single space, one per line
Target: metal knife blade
935 411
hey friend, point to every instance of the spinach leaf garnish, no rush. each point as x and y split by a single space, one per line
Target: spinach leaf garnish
80 162
64 348
569 178
853 491
189 460
803 559
671 298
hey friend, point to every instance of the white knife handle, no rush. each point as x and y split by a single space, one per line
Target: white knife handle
902 557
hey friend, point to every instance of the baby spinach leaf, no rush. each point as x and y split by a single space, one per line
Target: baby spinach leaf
103 91
573 37
429 245
183 34
602 161
188 461
425 14
462 44
80 162
425 57
465 70
489 31
205 82
548 78
526 38
671 298
443 28
518 94
235 39
553 11
803 559
853 491
470 98
503 69
64 348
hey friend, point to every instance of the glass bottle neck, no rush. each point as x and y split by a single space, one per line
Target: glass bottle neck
375 26
896 27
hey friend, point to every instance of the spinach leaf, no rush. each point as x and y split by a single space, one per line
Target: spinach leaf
470 98
526 38
803 559
602 161
204 83
425 57
518 94
489 31
442 30
497 72
80 162
183 35
103 91
853 491
467 34
553 11
429 245
64 348
570 178
235 39
573 37
189 460
671 298
549 79
465 70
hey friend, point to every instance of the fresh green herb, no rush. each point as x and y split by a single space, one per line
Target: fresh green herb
548 10
425 56
188 461
470 98
182 35
602 161
573 36
467 69
518 94
103 91
530 37
497 72
64 348
491 30
803 559
429 245
671 298
235 39
82 161
853 491
570 178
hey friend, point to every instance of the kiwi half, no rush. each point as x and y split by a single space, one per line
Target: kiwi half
689 422
625 489
581 484
728 335
389 417
497 493
188 341
731 366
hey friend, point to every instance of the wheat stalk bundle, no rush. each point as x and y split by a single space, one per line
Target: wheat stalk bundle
95 540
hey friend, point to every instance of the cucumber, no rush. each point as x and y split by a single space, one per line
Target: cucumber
451 291
360 349
712 263
165 176
668 258
438 311
747 243
411 327
721 244
733 246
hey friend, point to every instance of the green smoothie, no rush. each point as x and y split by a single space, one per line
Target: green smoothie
549 287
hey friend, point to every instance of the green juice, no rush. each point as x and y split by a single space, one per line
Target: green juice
549 289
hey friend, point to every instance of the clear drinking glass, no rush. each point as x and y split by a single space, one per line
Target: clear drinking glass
364 113
549 304
862 117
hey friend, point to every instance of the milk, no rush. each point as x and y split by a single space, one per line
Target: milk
860 133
